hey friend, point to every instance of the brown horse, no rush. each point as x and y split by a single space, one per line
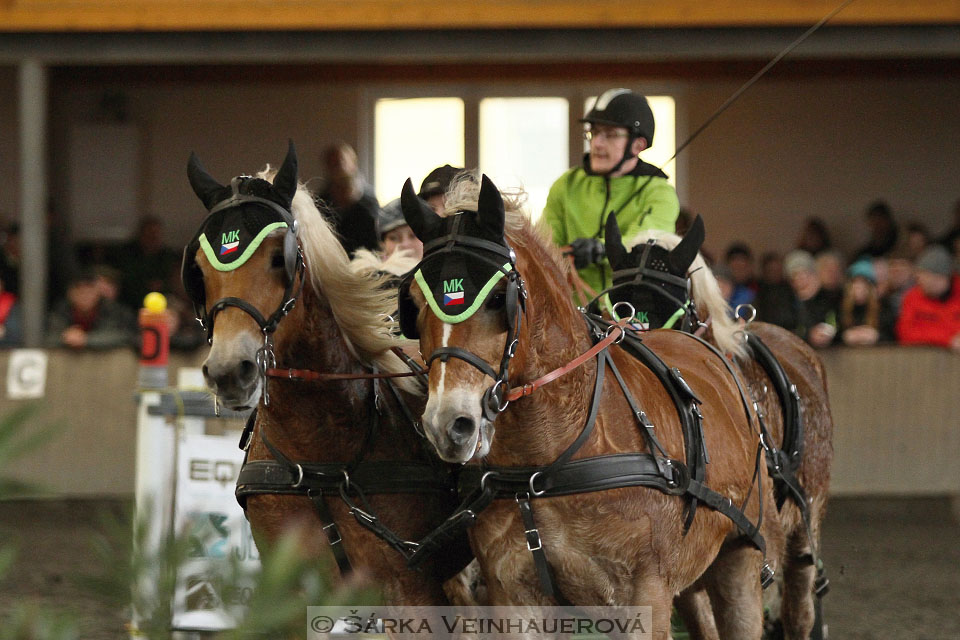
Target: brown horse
509 313
650 276
334 459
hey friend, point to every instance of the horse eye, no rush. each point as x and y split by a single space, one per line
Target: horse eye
497 301
276 261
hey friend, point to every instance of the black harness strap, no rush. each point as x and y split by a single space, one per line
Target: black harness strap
331 530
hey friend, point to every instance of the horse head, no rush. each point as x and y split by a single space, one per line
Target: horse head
653 279
464 302
241 270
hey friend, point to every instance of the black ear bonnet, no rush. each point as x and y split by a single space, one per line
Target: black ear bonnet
464 256
241 215
652 276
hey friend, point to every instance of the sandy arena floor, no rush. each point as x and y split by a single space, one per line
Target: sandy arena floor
894 566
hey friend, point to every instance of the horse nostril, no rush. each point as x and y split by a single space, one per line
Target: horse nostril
248 370
461 430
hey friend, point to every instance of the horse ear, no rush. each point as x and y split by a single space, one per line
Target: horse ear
490 215
285 182
613 243
422 219
684 253
206 188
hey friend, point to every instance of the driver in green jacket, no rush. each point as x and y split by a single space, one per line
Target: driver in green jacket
612 181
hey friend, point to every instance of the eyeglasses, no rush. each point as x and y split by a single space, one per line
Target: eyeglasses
608 134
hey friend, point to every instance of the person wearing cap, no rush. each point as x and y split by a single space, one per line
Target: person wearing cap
396 234
435 185
84 319
817 322
864 318
612 181
930 313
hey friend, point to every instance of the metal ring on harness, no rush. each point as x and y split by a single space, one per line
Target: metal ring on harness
299 476
618 317
752 311
483 478
622 333
493 394
533 477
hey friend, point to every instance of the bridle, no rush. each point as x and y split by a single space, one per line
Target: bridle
646 277
494 399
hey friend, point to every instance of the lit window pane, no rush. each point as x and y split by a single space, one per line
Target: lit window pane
524 142
413 137
664 137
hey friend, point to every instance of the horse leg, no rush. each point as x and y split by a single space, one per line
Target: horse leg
797 611
733 583
694 607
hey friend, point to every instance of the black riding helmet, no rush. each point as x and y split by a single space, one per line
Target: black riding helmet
623 108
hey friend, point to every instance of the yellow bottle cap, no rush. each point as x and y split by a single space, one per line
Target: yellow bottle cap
155 302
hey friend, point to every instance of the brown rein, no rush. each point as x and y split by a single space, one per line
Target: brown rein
526 389
612 337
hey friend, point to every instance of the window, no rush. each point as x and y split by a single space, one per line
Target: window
412 137
525 142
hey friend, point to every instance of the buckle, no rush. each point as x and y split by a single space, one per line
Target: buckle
533 539
336 532
296 484
821 585
766 576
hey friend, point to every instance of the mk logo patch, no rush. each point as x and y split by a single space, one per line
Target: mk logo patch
453 292
643 317
230 242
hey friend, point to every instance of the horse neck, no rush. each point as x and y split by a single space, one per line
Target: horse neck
326 421
536 429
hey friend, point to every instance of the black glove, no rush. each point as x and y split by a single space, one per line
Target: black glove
586 251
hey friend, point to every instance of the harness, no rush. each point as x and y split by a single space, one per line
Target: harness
479 485
783 462
352 481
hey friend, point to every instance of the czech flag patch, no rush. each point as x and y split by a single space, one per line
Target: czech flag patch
229 247
450 299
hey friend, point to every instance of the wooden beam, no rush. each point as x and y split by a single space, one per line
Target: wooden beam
270 15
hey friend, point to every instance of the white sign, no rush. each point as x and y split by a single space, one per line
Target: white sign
207 511
27 373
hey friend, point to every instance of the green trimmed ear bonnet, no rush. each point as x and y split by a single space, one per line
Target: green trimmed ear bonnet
240 216
464 256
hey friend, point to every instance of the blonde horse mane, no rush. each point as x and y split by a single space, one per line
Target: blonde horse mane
706 293
359 293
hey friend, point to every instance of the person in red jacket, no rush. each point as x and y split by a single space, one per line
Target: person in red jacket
931 309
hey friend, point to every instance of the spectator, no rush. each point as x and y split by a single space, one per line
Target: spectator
434 187
951 239
144 263
931 309
739 259
775 301
814 237
349 200
818 315
10 258
85 320
11 321
108 282
612 181
725 281
863 318
396 234
830 272
900 278
918 237
883 232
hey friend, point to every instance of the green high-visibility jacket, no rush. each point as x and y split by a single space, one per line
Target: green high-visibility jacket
579 203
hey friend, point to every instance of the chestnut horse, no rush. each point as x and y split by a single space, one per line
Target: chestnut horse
506 313
333 456
653 276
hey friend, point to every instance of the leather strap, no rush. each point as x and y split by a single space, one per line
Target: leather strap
535 546
331 530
